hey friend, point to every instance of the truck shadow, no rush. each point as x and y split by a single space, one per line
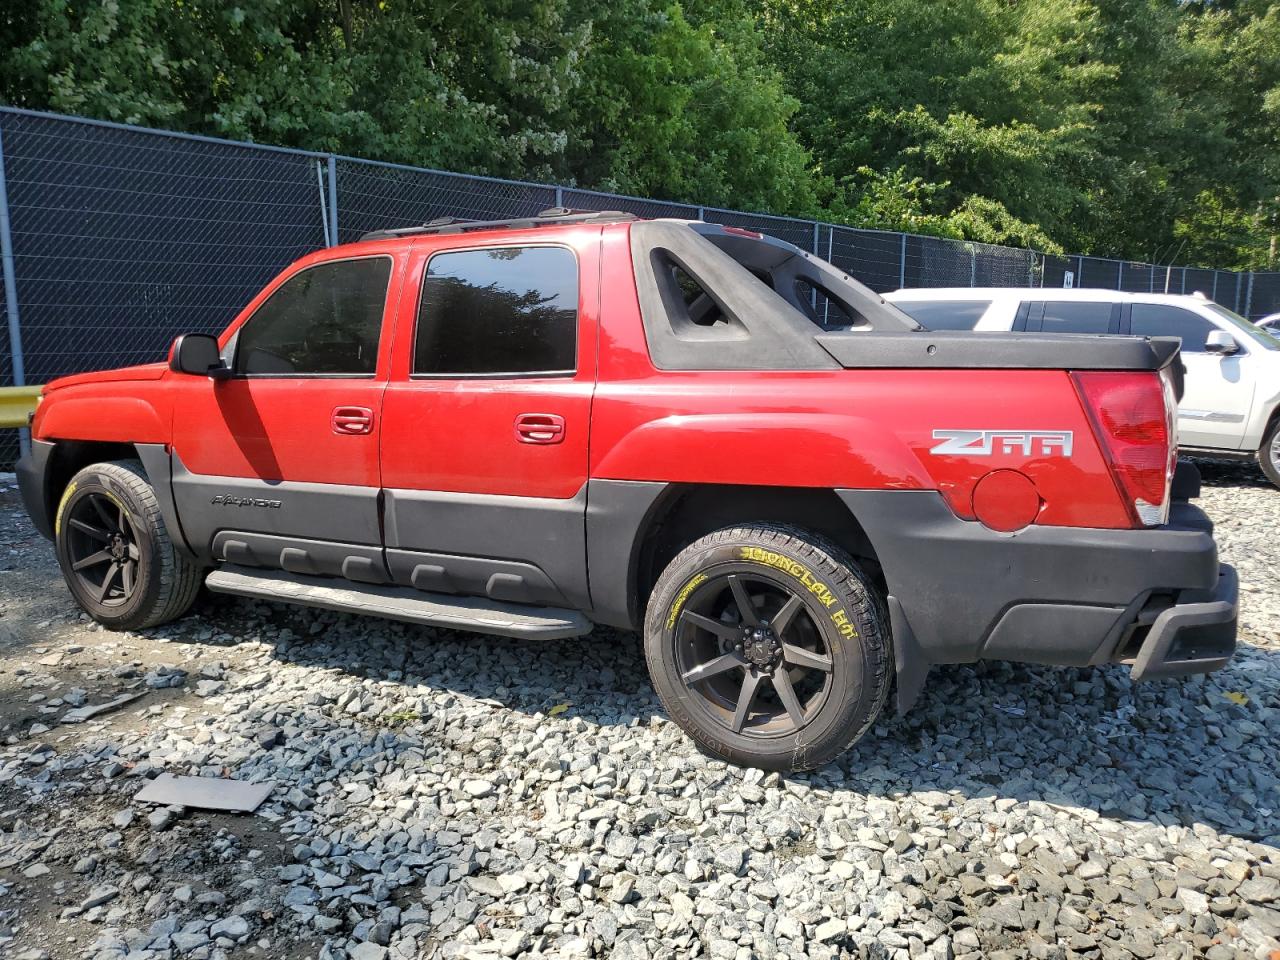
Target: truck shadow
1174 753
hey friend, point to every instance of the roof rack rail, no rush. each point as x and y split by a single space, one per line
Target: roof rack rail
544 218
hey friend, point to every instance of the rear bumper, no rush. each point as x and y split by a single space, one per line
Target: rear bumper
1155 598
1195 634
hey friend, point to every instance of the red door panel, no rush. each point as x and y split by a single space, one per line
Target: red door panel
271 458
276 429
490 466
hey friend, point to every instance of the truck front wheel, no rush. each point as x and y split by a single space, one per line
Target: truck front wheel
115 552
769 646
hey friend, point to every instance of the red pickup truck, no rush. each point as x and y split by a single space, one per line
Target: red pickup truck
528 427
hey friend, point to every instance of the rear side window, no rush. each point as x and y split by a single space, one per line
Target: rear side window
1074 316
944 314
1159 320
325 320
504 310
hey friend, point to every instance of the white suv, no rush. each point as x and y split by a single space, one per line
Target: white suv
1231 405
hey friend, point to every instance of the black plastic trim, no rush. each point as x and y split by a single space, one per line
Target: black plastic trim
303 556
763 332
551 217
508 580
1195 635
33 485
618 514
206 505
1186 481
546 532
159 466
785 263
910 664
967 349
956 579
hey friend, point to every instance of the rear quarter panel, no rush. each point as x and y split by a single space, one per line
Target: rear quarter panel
865 429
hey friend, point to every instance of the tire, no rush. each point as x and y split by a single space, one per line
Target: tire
1269 452
116 556
821 633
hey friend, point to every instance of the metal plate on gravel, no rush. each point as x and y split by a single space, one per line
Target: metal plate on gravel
208 793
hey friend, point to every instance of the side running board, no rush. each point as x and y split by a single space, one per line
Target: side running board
476 614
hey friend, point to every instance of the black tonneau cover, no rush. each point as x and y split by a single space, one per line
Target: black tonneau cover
1020 351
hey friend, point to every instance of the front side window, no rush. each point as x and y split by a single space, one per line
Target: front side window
325 320
1161 320
1076 316
944 314
504 310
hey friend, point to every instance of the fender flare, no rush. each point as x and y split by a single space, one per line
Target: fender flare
113 420
158 462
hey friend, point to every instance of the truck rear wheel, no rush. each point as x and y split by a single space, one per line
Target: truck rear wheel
769 646
1269 453
116 555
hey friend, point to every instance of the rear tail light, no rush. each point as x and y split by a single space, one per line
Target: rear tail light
1134 418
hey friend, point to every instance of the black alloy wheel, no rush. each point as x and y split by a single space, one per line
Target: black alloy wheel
752 654
103 548
116 553
769 646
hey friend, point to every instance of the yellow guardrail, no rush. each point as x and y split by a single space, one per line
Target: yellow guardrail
16 405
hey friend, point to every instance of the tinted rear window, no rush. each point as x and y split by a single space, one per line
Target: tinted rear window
1075 316
944 314
501 310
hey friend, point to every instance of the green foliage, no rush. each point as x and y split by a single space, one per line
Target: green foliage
1131 128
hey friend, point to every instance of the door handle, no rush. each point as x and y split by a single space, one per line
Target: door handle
540 428
352 421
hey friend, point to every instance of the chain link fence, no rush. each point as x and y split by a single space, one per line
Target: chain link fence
117 238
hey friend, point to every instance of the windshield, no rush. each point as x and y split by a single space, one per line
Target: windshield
1263 339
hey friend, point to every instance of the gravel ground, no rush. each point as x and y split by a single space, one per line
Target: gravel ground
446 795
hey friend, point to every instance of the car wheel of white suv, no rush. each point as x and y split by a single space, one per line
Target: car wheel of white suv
1269 452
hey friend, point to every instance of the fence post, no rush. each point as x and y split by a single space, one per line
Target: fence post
1214 296
902 263
559 196
333 198
815 238
1119 274
11 293
1248 298
1184 281
323 191
1079 282
973 265
831 252
1236 305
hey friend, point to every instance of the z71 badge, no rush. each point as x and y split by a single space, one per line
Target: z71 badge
984 443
